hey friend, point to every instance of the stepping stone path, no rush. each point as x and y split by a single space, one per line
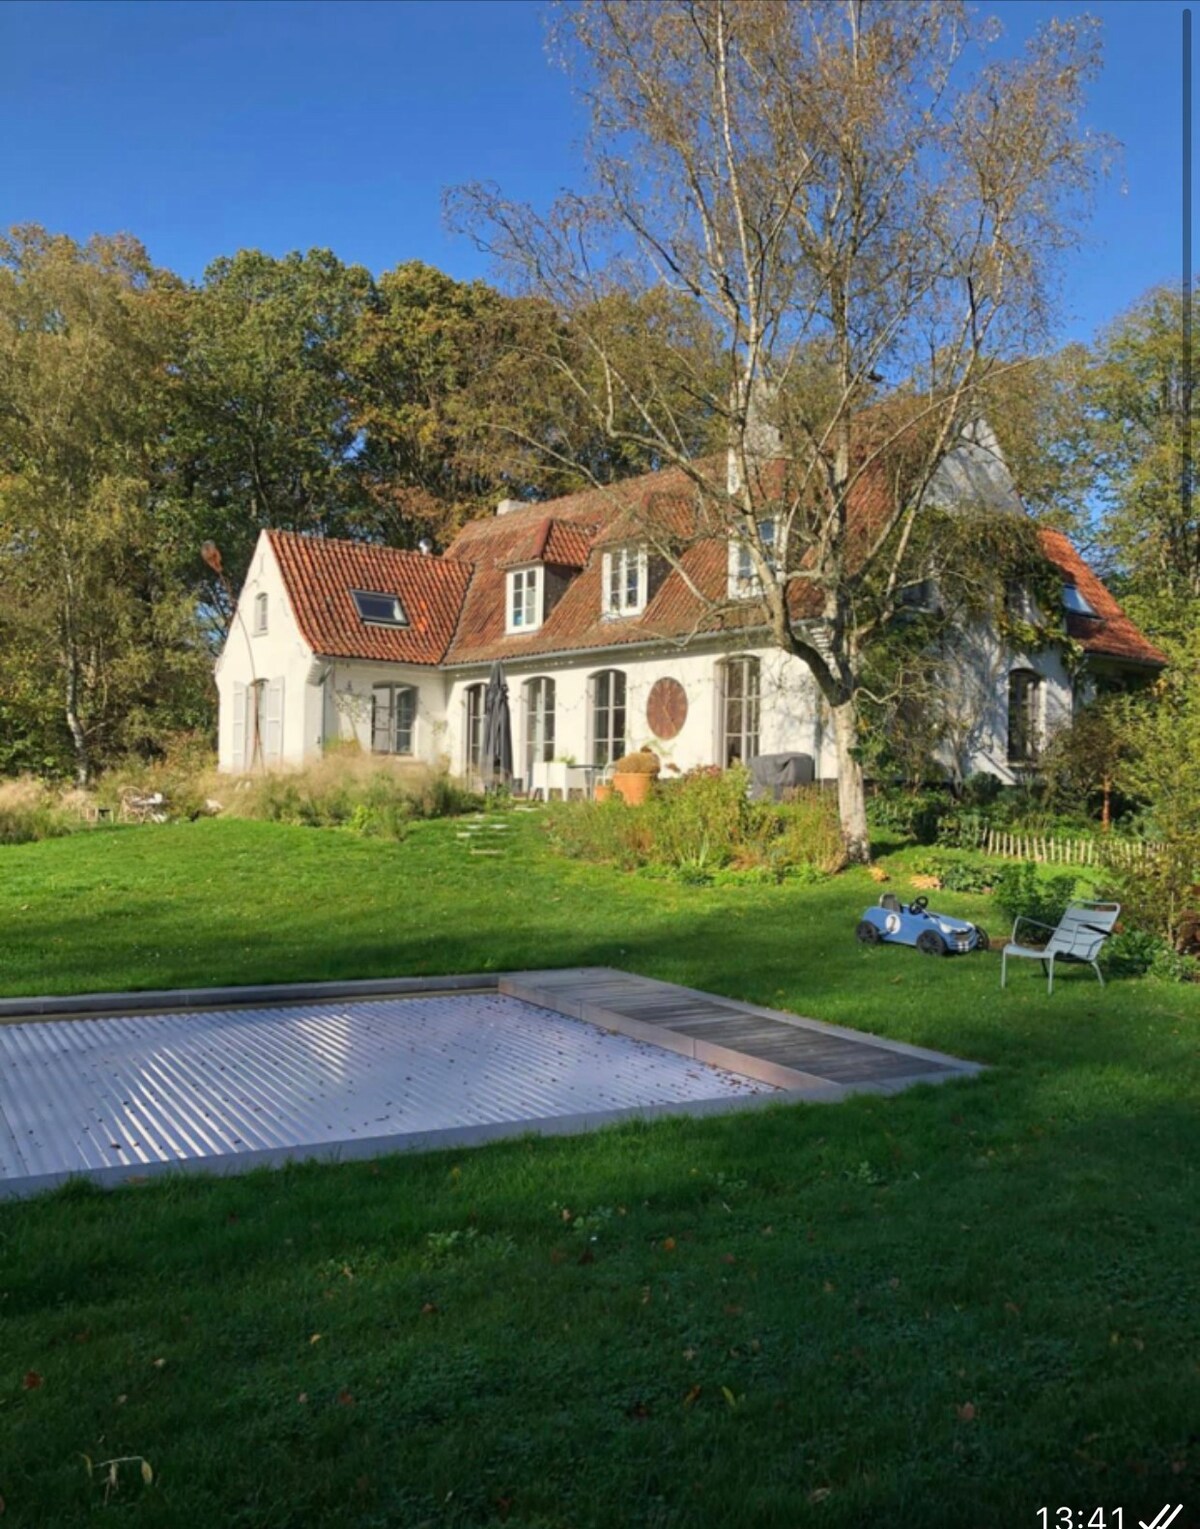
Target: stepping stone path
476 833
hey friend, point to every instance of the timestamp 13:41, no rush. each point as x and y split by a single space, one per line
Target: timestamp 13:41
1081 1518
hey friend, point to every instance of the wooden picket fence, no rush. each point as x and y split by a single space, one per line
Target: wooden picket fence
1022 846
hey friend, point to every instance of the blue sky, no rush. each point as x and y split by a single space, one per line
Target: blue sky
206 127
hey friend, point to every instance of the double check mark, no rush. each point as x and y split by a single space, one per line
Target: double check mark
1166 1515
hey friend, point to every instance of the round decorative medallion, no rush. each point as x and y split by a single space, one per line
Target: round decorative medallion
666 708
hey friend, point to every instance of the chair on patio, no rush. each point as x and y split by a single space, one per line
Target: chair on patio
1078 936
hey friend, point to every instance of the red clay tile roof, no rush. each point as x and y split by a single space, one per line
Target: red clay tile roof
681 603
581 524
456 604
542 539
1110 633
321 574
674 612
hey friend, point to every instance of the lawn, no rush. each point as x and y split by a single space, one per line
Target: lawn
948 1308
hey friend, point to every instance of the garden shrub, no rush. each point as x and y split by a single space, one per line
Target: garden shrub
30 811
913 814
1131 953
1020 890
1158 891
703 828
956 872
965 829
642 761
1171 965
365 793
980 790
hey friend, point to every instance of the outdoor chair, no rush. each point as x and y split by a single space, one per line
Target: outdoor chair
1078 936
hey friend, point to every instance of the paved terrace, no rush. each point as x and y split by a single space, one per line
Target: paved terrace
118 1087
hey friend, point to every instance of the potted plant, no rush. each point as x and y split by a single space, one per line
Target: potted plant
634 774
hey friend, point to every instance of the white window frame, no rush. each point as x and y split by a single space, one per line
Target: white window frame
389 729
540 701
626 580
260 614
744 582
523 599
741 706
473 714
608 740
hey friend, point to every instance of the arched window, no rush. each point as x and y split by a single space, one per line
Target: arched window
539 724
393 719
740 688
1024 716
608 717
473 729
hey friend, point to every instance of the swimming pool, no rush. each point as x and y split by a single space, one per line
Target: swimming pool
121 1096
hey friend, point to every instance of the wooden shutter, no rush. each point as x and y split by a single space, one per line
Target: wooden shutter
273 742
238 759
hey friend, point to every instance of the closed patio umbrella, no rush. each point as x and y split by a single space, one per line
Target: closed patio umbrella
497 761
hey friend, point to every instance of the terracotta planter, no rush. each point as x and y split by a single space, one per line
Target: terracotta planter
603 792
634 788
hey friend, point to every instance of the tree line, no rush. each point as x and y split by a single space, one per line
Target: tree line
142 416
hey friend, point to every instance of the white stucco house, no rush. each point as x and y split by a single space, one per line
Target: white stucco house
604 648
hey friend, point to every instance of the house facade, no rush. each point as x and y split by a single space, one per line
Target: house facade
604 648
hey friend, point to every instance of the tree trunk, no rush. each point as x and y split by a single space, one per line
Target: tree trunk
78 737
852 796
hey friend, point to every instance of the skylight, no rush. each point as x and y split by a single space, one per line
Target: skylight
379 610
1074 602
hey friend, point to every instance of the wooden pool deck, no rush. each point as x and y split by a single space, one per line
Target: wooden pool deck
807 1057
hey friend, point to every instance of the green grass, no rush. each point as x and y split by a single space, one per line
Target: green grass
947 1308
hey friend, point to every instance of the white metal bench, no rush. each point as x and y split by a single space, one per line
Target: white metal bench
1078 936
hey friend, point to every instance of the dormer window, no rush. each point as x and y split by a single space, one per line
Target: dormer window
626 580
1074 602
744 582
525 599
378 609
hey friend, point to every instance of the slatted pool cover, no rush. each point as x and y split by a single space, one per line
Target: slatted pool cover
119 1092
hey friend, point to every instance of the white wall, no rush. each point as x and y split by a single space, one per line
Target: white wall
327 700
346 709
323 700
977 675
280 654
789 717
792 718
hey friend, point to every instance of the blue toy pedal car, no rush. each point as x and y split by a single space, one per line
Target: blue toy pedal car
934 934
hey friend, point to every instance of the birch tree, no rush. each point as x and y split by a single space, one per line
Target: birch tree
89 611
866 206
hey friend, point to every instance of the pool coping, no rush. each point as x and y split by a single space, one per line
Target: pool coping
788 1085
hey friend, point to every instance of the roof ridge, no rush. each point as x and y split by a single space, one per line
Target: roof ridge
319 538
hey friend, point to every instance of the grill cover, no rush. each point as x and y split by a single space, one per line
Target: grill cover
773 774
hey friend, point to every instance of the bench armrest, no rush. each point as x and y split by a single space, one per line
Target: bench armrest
1033 922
